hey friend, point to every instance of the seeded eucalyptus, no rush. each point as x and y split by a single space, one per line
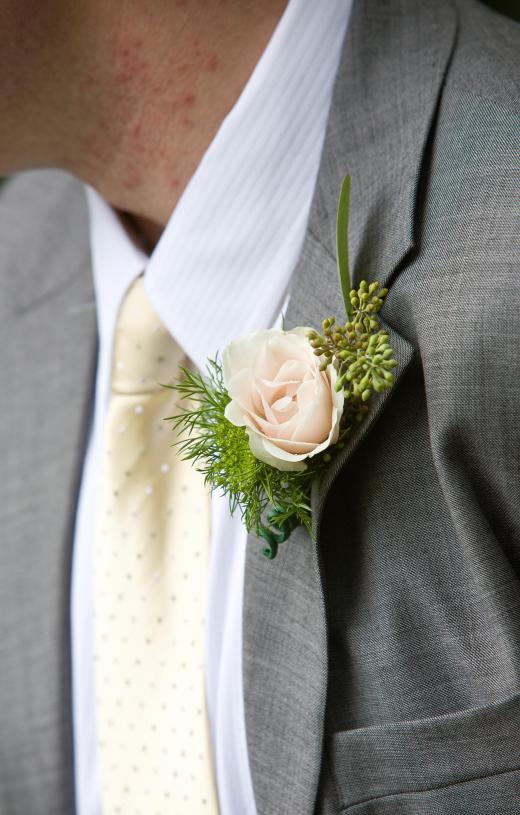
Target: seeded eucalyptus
243 424
358 350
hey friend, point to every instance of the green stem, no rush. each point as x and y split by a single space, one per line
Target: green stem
342 244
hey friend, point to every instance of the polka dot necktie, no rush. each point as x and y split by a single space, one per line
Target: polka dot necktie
151 560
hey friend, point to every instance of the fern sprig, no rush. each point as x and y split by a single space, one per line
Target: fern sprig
271 502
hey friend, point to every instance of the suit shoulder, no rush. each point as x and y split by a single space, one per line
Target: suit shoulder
473 172
33 199
43 234
485 57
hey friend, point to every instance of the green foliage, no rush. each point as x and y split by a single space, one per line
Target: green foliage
359 351
271 502
342 243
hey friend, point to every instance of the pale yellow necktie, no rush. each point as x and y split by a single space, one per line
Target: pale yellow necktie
151 561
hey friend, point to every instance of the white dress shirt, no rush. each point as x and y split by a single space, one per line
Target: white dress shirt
222 266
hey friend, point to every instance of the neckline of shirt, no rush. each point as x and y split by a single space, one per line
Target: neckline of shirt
225 258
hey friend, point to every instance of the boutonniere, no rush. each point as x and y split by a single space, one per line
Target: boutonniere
268 418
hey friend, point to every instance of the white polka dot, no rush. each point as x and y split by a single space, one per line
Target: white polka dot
151 609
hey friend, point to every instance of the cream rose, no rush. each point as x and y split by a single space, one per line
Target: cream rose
278 393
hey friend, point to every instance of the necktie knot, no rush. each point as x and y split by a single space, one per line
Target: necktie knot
145 354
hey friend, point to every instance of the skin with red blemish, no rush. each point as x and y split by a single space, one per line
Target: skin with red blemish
211 63
187 99
142 88
181 76
130 63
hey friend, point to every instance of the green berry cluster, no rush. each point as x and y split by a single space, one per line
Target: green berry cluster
359 350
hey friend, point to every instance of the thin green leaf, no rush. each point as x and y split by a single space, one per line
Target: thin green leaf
342 244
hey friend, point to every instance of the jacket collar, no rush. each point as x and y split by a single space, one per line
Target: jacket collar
386 95
61 256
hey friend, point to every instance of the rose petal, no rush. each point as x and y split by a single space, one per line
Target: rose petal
284 405
292 370
234 414
296 448
289 407
259 449
277 350
268 412
307 394
314 415
275 390
312 424
240 390
269 428
241 354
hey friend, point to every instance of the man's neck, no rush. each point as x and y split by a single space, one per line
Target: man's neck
163 82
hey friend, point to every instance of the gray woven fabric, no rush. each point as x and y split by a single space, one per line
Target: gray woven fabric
381 663
47 327
414 576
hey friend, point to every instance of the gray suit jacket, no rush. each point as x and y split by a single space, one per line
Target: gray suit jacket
381 663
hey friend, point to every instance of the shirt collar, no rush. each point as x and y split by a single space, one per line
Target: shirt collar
225 258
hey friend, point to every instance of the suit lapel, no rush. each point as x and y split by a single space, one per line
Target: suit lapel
48 365
394 59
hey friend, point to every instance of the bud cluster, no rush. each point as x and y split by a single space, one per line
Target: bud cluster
359 351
